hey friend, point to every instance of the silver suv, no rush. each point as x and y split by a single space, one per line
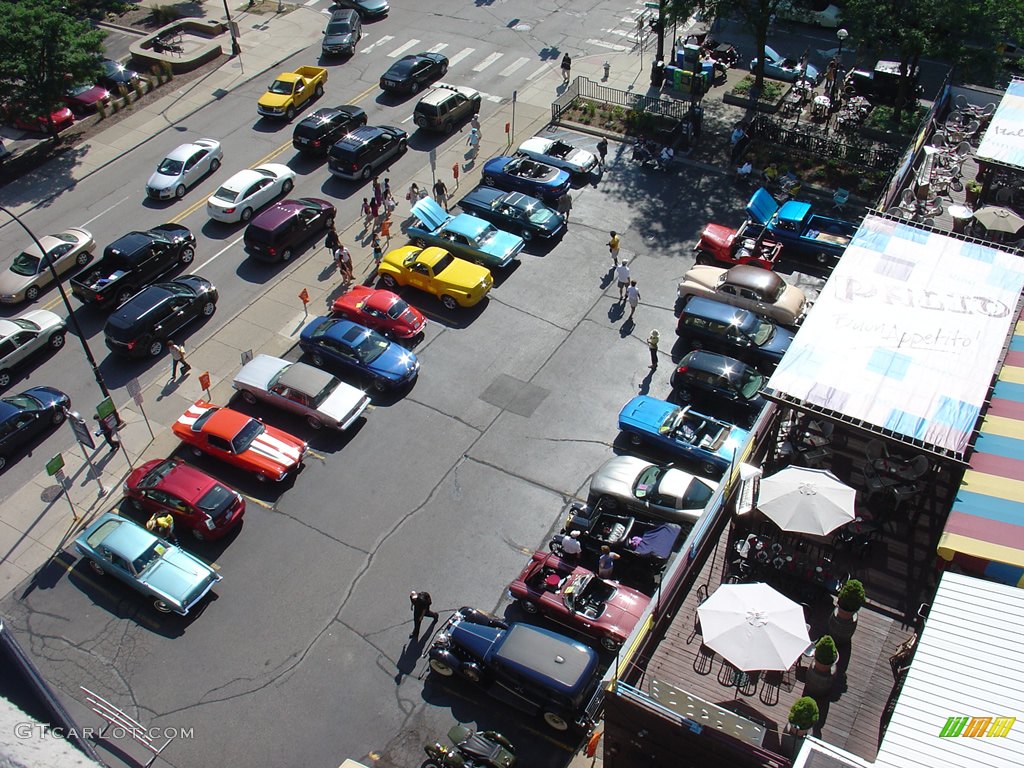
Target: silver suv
445 106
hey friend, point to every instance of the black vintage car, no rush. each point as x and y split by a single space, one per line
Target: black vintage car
514 212
142 325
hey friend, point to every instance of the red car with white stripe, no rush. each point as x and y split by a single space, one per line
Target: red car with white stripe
248 443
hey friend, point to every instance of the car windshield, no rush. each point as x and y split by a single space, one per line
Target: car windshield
338 28
157 473
25 264
24 324
370 347
241 441
397 309
150 555
751 384
281 87
762 333
80 89
647 482
170 167
486 235
324 393
227 194
216 500
443 263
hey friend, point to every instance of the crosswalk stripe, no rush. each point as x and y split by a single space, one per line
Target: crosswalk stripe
371 46
438 48
513 67
403 48
311 2
487 62
460 56
538 72
491 97
612 46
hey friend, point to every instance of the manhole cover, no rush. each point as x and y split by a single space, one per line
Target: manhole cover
51 493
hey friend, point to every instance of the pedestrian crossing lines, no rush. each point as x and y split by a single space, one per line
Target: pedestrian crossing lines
415 45
453 60
487 62
403 48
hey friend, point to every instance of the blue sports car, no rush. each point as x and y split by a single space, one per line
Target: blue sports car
357 348
173 578
466 236
515 212
521 174
711 443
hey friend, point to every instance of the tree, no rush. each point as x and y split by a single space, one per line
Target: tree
43 51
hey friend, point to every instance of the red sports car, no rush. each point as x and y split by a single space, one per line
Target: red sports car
577 598
383 311
240 440
197 501
62 118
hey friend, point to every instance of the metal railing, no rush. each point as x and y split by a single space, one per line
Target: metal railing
585 88
124 725
878 158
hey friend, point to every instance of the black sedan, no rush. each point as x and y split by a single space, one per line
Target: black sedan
25 417
315 134
514 212
144 324
367 9
117 78
410 73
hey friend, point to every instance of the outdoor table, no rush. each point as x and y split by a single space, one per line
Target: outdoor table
822 104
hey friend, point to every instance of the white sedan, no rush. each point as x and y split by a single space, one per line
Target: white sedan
21 337
249 190
184 167
559 154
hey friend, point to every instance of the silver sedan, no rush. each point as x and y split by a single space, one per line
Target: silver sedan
184 167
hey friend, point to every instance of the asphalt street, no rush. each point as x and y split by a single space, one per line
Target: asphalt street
302 657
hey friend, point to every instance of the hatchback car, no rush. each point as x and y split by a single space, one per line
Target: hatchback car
26 416
514 212
748 287
383 311
142 325
732 331
248 191
278 231
364 151
183 167
30 271
342 33
316 133
521 174
320 398
410 73
721 378
652 490
359 350
21 337
445 106
195 500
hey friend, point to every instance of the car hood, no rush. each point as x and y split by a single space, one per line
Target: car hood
373 5
704 275
179 576
11 282
161 181
341 38
396 361
646 412
259 371
617 476
581 158
343 401
274 100
504 244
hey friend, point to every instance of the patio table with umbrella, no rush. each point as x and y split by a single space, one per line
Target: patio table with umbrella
996 218
804 500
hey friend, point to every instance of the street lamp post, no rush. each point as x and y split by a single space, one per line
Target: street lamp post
67 304
842 34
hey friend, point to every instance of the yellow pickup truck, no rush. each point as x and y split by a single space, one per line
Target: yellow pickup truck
291 91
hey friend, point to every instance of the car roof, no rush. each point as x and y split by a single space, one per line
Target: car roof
8 328
277 214
128 540
716 310
184 151
305 378
187 482
441 91
343 14
468 225
565 663
712 362
382 301
360 135
754 278
243 179
225 423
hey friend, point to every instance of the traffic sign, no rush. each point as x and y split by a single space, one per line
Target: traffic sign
135 391
247 356
105 408
204 380
304 295
55 465
81 430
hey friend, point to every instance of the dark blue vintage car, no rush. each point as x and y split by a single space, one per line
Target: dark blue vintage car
522 174
514 212
364 352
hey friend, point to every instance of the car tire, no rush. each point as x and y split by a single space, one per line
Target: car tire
188 253
381 385
32 293
709 469
444 70
286 254
489 181
246 214
610 645
366 173
317 358
58 417
135 504
161 606
703 257
249 397
414 88
314 422
57 340
557 722
209 308
419 242
97 568
197 534
527 235
289 113
328 223
448 127
214 165
449 302
155 348
472 672
123 295
196 451
389 282
635 439
529 606
319 91
179 191
5 379
287 187
443 669
83 258
402 147
431 764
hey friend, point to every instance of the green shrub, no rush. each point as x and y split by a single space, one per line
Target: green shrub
825 651
804 713
851 596
164 14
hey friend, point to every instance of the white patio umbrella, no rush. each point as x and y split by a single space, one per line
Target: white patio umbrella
802 500
995 218
754 627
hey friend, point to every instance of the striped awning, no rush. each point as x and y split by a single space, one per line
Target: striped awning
985 527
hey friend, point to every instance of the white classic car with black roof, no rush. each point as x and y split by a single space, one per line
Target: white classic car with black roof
320 398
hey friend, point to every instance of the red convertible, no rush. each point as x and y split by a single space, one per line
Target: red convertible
749 245
575 597
383 311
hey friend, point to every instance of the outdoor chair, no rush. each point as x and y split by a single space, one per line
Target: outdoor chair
960 102
840 198
972 128
771 682
938 139
907 198
704 661
963 149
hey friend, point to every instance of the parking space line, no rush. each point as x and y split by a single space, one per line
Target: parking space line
258 502
513 67
223 250
460 56
403 48
487 62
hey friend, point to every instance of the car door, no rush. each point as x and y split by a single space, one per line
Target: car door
421 277
459 244
183 310
58 256
217 446
257 194
288 399
193 167
17 347
344 356
117 566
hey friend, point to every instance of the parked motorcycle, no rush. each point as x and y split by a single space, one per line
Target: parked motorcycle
472 749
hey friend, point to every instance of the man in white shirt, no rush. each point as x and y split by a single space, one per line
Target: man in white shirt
622 278
571 544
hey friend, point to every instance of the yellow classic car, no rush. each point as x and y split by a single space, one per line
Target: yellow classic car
455 282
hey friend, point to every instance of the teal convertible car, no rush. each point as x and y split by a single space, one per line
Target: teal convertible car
464 235
173 578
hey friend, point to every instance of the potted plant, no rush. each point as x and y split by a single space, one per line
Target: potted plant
819 675
972 191
843 622
803 715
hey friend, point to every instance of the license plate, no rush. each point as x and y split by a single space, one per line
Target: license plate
389 82
302 141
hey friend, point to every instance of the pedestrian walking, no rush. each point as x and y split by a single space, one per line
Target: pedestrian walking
162 526
367 213
331 242
441 194
177 358
474 122
421 603
378 252
385 189
390 204
473 140
344 259
613 247
413 195
652 345
565 206
375 212
108 432
602 150
385 229
737 133
622 278
633 297
739 148
378 192
606 562
566 68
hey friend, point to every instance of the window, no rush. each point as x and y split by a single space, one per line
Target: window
218 443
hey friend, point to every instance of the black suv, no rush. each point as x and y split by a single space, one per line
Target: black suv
143 324
315 134
275 233
721 378
445 106
365 150
342 33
